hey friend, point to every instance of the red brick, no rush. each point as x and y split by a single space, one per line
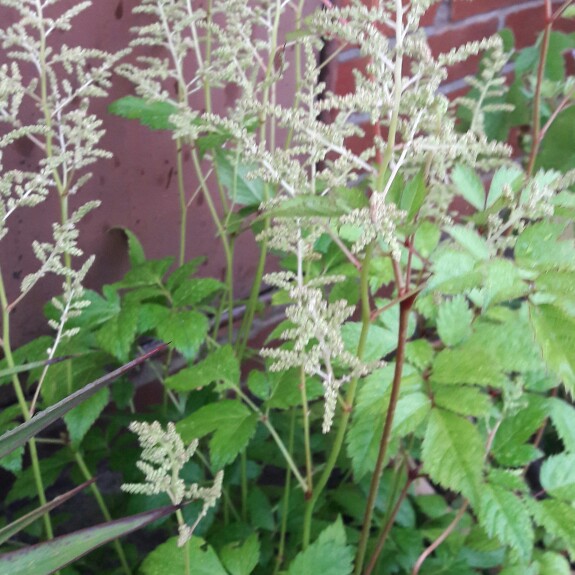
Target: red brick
528 24
456 36
342 81
461 9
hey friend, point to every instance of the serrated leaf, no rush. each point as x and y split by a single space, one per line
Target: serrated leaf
261 513
551 563
196 290
563 415
454 272
221 365
426 238
136 252
235 177
186 330
231 423
555 334
241 559
453 453
454 321
419 353
466 365
329 554
558 476
506 176
558 519
181 274
469 186
203 559
503 515
154 115
117 335
509 446
540 247
80 419
50 556
13 461
150 315
285 391
379 343
413 195
468 401
470 240
149 273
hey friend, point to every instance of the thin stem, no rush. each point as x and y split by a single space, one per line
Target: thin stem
538 88
387 528
35 460
446 533
182 197
285 506
186 547
306 433
404 309
103 508
244 484
349 401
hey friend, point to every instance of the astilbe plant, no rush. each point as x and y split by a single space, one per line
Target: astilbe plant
424 355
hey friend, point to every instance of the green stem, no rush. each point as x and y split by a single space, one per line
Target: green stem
404 309
35 461
306 433
244 484
349 401
183 204
285 507
186 547
103 507
538 88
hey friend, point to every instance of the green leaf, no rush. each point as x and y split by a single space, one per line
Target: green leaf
555 334
454 321
186 330
454 272
540 247
470 240
50 556
413 195
221 365
563 415
379 343
469 186
183 273
21 523
558 476
329 554
231 423
260 510
149 273
285 390
551 563
515 430
154 115
308 206
241 559
419 353
558 519
150 315
462 399
469 365
194 291
503 515
136 252
503 177
117 335
21 434
169 558
80 419
453 453
234 176
426 238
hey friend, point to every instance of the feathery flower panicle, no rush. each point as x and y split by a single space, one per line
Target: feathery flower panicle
163 458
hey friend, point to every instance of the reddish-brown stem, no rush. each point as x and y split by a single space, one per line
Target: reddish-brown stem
377 312
538 87
387 529
446 533
559 12
404 309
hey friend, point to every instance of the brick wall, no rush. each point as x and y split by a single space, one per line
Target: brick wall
452 22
